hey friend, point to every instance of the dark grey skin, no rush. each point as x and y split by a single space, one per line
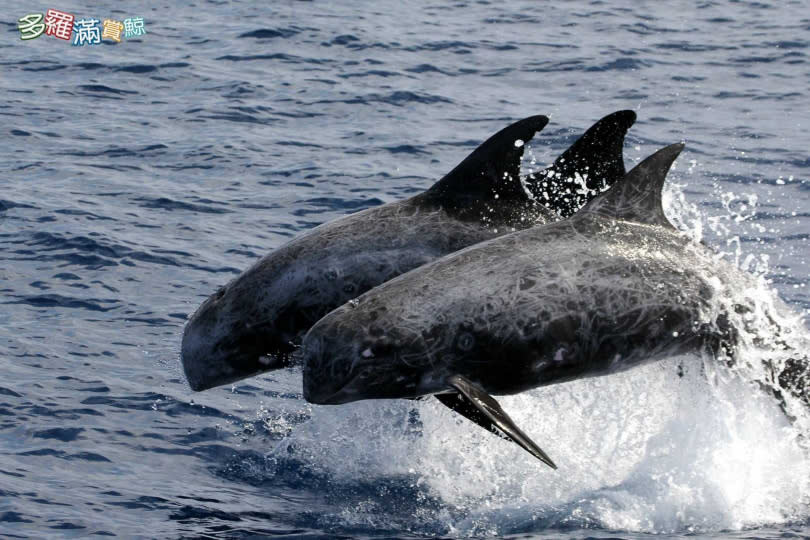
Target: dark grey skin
611 288
251 325
587 295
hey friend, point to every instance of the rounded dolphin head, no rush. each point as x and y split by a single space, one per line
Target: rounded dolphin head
251 325
239 331
366 349
352 354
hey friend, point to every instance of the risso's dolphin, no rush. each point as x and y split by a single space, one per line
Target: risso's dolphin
612 287
249 325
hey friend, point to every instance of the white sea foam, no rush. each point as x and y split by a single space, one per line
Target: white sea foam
645 450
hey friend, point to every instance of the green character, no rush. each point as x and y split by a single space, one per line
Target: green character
31 26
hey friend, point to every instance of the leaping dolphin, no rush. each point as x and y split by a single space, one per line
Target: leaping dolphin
612 287
248 326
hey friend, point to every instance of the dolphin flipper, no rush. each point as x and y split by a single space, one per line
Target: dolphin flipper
487 406
460 404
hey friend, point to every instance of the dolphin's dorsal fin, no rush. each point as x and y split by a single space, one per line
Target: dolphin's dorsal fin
492 168
637 196
482 409
591 165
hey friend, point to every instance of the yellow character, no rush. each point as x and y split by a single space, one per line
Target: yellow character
112 30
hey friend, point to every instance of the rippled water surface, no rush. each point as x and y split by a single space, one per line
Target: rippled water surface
136 178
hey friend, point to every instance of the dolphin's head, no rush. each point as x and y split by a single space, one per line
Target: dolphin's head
386 346
352 354
241 330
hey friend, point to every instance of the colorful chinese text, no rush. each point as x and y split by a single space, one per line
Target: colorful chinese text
84 31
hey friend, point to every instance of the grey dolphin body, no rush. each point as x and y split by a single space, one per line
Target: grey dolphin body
614 286
249 325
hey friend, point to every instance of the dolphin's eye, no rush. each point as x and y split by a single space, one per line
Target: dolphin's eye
365 373
349 288
379 349
465 341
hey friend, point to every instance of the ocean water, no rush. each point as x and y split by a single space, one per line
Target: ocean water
136 178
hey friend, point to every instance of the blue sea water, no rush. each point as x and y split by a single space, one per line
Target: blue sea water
136 178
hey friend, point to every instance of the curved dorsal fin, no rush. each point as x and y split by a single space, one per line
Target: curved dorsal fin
637 196
591 165
492 167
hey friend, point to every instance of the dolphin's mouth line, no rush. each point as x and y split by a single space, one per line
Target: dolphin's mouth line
209 361
340 392
253 347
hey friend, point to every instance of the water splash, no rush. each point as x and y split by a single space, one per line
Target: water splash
643 451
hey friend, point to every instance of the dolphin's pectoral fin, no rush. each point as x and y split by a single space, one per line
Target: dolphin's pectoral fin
486 406
462 405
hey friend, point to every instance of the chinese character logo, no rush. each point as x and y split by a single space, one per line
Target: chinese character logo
133 27
58 24
31 26
87 31
112 30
